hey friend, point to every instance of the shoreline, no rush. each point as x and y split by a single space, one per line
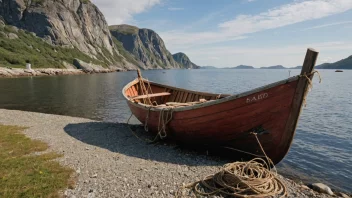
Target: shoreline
110 161
19 72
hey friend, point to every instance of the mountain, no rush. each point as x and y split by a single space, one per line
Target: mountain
74 24
297 67
242 67
208 67
342 64
183 60
145 46
75 34
17 47
274 67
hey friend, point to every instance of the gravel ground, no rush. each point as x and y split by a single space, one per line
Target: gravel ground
111 162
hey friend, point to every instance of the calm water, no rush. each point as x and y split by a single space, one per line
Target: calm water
322 148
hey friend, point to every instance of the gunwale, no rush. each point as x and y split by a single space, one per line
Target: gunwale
206 104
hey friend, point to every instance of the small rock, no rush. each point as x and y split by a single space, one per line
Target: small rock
91 195
13 28
2 23
343 195
87 148
94 176
12 36
139 190
3 34
305 187
172 192
322 188
78 171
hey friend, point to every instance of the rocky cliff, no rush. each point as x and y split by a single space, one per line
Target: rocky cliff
74 24
53 33
145 46
183 60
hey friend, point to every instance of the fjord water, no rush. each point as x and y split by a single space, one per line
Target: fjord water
322 147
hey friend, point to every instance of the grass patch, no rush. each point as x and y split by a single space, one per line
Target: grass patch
23 174
124 29
32 49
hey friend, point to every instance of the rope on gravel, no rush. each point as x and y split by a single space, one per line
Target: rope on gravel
252 179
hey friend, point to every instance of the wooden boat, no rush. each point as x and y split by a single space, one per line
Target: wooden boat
271 111
338 70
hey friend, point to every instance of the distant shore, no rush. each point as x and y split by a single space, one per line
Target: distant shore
110 161
19 72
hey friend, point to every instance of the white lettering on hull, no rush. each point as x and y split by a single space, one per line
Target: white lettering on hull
258 97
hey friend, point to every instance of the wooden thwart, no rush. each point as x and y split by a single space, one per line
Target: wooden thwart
151 95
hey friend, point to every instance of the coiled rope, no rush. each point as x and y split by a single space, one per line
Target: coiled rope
254 179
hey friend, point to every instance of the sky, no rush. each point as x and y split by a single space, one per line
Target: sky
227 33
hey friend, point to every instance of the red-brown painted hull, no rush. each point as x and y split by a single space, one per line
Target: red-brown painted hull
271 111
230 123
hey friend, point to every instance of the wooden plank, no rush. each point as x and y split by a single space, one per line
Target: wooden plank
129 92
189 97
300 94
134 91
184 99
178 96
151 95
173 96
192 98
196 98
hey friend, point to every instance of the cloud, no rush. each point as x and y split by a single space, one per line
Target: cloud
175 9
242 25
122 11
328 25
286 15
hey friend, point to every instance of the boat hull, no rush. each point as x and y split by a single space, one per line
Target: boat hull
272 112
229 124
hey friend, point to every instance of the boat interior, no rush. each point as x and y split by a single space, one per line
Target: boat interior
150 93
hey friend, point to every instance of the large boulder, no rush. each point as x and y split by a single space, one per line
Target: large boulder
88 67
12 36
322 188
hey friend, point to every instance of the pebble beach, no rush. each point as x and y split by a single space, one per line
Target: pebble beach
109 161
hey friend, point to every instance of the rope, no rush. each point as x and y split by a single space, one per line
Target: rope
252 179
163 121
310 83
144 90
146 120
